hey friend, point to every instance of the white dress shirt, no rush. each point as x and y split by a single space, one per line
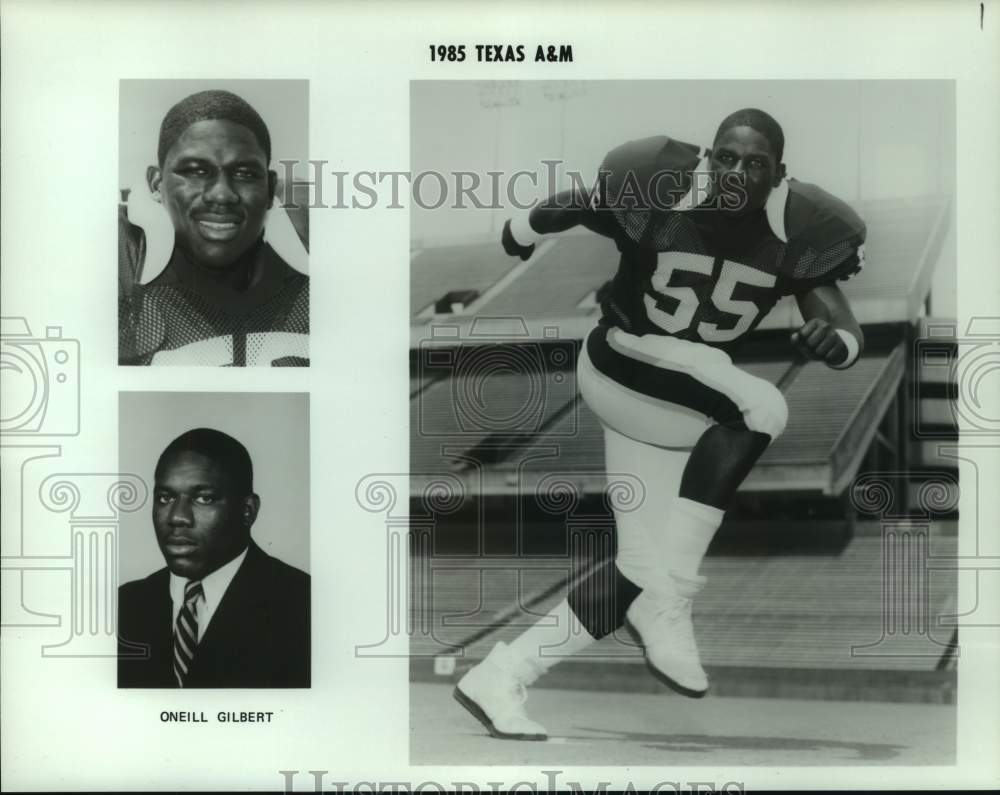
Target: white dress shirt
213 587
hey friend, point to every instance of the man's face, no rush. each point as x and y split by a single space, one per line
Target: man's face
217 189
201 521
744 170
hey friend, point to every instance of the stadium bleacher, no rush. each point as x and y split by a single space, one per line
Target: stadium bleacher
563 278
470 267
460 412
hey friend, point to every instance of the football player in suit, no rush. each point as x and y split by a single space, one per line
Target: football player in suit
709 241
198 281
222 613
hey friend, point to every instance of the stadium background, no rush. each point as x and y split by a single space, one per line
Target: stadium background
829 579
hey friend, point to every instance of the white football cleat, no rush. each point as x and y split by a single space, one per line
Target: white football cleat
494 692
663 621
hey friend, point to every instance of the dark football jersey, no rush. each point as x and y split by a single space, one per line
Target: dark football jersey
697 273
184 316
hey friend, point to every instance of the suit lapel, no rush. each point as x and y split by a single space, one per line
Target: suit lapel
234 623
162 625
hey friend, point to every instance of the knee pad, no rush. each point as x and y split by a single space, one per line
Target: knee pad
763 406
636 416
601 600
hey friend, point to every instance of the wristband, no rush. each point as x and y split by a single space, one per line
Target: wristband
853 349
521 231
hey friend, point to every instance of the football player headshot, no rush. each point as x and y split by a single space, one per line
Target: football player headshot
222 613
704 234
210 267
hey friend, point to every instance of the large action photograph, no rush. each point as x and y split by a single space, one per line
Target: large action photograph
683 488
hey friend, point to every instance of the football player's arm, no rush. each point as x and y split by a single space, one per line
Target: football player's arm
556 214
831 333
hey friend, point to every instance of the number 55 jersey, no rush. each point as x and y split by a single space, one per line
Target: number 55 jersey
700 274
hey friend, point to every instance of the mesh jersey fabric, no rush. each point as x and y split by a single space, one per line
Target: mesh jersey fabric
700 274
184 316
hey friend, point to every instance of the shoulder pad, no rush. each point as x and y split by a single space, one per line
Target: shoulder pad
825 238
647 173
820 220
131 250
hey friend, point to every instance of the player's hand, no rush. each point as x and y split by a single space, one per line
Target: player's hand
512 247
818 340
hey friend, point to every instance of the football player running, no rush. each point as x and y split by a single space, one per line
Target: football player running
709 241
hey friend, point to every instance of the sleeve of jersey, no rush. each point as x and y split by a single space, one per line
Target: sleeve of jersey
642 179
617 193
826 242
812 269
131 255
597 216
135 315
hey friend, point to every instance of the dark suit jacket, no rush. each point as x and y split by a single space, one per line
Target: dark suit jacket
259 635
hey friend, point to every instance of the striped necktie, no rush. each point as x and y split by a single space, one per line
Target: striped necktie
186 631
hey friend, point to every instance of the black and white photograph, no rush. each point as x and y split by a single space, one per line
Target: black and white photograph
669 415
212 247
215 590
499 396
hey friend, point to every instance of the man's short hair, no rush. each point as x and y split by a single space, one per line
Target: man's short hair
206 106
218 447
762 122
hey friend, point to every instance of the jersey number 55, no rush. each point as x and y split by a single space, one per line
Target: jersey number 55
682 317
